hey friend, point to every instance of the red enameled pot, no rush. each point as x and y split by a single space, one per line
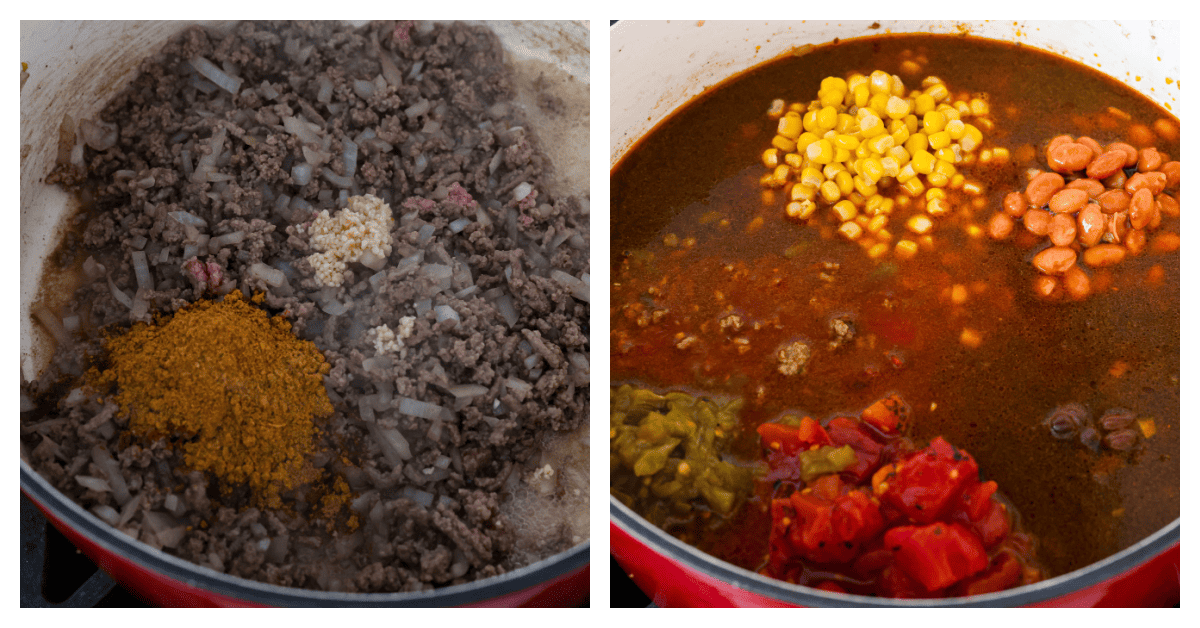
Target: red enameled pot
689 57
77 66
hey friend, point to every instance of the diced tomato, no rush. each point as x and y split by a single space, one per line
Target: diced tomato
937 555
784 442
1004 572
977 500
777 437
928 481
993 526
887 414
831 531
811 433
867 452
872 561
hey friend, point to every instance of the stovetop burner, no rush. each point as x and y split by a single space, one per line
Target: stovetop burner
54 573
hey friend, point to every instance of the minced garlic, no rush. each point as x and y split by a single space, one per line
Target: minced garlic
388 341
364 226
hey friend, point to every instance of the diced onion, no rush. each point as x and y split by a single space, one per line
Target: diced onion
504 305
420 409
216 75
417 495
467 390
111 469
119 295
579 288
107 513
302 173
53 325
93 483
336 179
271 276
445 312
350 156
458 225
522 190
364 89
419 109
142 271
188 218
372 261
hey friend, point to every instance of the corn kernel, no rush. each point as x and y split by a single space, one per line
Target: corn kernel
855 80
820 151
900 154
845 211
1000 154
934 121
958 294
827 118
850 230
919 224
869 124
913 187
887 206
979 107
972 137
864 187
906 173
801 209
777 108
880 82
830 170
951 113
973 188
794 160
804 140
937 207
862 220
802 192
784 144
845 182
897 107
767 180
881 144
944 167
974 231
962 107
782 172
873 204
923 104
831 97
905 249
770 157
810 121
970 338
790 126
938 92
846 124
877 250
941 139
835 83
923 161
768 197
843 140
916 142
956 128
841 155
858 199
937 179
912 122
863 151
829 191
935 194
877 222
811 176
883 235
862 95
957 181
900 135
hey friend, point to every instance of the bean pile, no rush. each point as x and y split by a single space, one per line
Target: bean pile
1098 204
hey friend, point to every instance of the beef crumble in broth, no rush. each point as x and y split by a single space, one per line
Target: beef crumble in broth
457 339
710 283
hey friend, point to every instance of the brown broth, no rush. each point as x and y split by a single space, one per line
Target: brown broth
1082 506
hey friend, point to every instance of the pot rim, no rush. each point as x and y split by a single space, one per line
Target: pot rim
677 551
116 543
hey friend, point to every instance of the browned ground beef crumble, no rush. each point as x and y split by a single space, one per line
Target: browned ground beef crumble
459 133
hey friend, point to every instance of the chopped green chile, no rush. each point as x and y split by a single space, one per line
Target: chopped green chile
673 444
825 460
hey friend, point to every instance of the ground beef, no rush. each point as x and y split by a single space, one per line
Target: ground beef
444 144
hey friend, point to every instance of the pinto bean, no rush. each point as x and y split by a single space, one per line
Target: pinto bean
1077 283
1068 156
1057 140
1103 255
1042 187
1140 135
1016 204
1000 226
1167 205
1068 201
1054 260
1165 242
1167 129
1117 227
1141 208
1171 169
1092 144
1045 286
1093 187
1062 230
1106 165
1114 201
1037 221
1117 180
1149 159
1131 153
1091 225
1135 242
1155 181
